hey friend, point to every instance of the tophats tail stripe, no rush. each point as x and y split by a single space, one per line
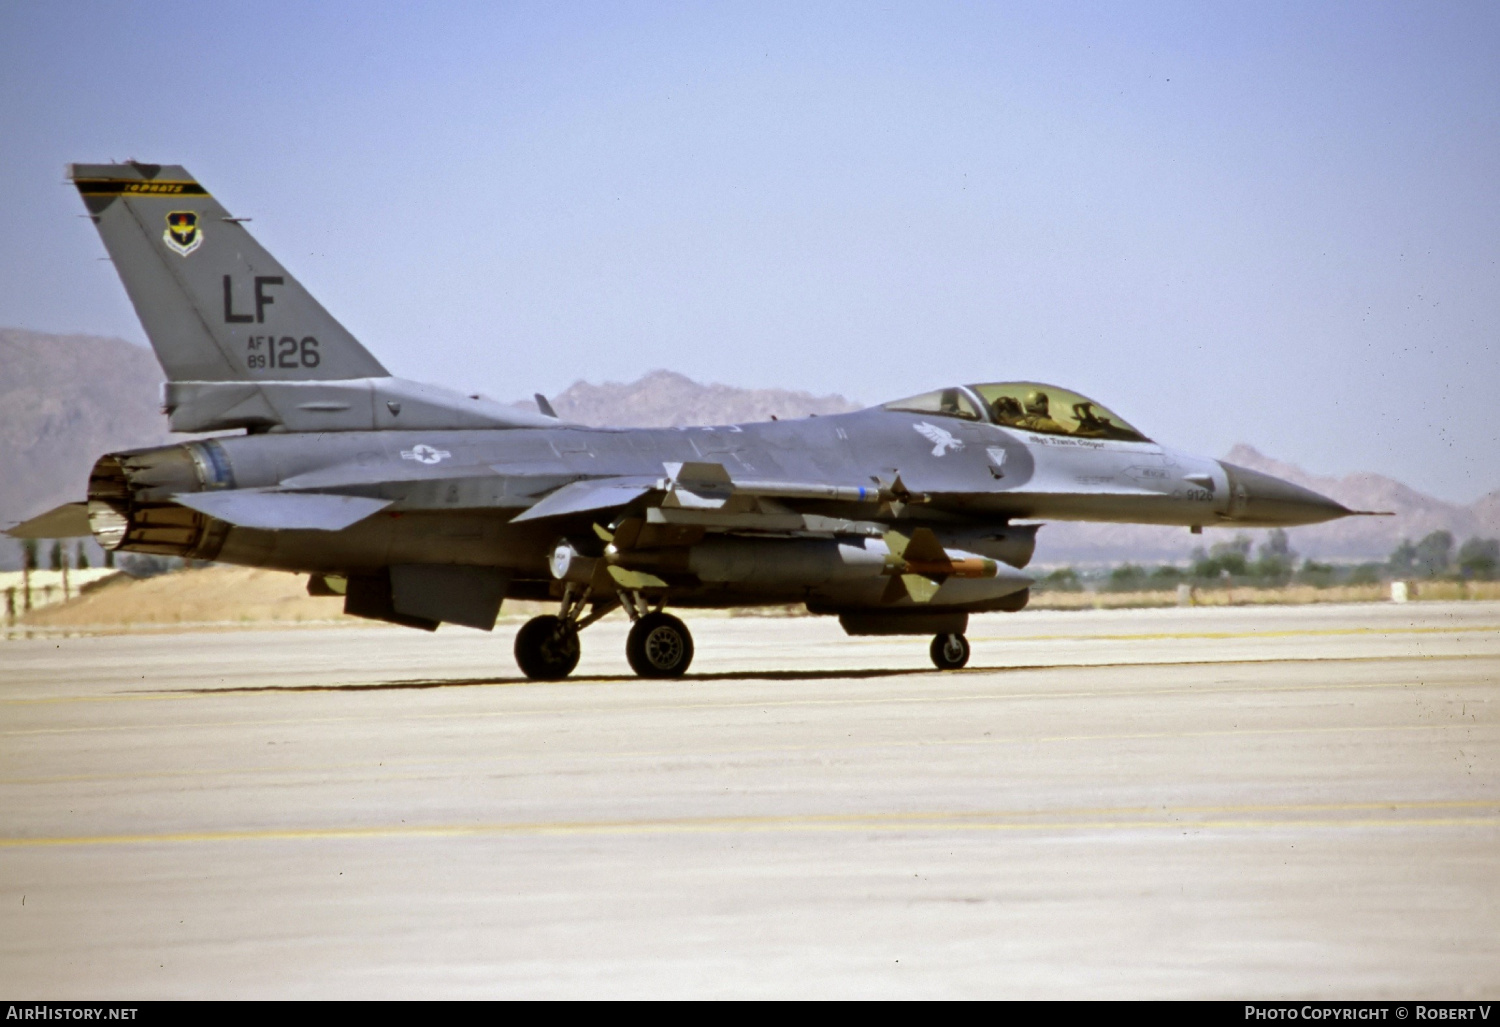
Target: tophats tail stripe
115 187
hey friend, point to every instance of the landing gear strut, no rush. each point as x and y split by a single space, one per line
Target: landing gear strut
949 652
547 647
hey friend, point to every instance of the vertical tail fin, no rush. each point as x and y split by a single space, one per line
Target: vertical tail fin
215 305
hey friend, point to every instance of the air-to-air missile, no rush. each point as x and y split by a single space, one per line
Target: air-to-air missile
423 506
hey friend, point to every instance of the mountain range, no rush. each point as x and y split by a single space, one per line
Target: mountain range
67 399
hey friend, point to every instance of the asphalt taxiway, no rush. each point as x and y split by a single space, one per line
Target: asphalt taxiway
1229 802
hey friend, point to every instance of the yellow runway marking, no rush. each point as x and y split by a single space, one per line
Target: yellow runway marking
1130 819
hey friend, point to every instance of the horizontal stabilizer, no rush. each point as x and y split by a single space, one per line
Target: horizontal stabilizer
283 511
71 520
586 496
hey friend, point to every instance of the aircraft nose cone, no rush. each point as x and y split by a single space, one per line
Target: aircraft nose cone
1261 500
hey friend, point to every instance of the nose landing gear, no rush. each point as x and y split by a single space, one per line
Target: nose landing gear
949 652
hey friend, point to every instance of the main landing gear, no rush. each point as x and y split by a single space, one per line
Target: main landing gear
659 645
547 648
949 652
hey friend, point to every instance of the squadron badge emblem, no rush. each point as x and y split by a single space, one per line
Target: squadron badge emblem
183 233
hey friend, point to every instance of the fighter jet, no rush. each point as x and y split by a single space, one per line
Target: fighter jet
422 506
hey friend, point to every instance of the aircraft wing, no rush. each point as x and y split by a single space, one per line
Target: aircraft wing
71 520
283 511
584 496
694 487
709 486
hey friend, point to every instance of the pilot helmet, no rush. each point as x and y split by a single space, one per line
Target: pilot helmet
1036 402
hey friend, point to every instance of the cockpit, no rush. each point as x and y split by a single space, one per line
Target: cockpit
1027 406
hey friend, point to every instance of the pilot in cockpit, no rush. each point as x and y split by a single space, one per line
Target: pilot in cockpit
1038 417
1006 410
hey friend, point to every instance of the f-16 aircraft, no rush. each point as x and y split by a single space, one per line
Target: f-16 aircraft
422 506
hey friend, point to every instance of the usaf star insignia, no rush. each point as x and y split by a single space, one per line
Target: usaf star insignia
422 453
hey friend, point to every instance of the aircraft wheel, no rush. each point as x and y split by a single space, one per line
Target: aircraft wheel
949 652
546 648
659 646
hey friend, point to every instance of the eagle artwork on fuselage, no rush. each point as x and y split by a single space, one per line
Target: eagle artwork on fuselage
422 506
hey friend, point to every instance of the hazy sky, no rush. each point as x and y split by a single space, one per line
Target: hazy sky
1271 223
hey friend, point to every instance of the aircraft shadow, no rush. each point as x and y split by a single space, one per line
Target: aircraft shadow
417 684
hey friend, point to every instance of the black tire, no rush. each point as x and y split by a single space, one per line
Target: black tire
949 652
546 648
659 646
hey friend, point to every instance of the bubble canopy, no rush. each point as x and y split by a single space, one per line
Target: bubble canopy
1028 406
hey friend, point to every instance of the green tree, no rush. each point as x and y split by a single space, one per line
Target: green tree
28 551
81 557
1166 576
109 558
1231 558
1434 553
1275 559
1064 579
1127 578
1319 575
1403 561
57 556
1479 558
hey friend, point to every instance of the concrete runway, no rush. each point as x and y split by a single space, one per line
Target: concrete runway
1284 802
